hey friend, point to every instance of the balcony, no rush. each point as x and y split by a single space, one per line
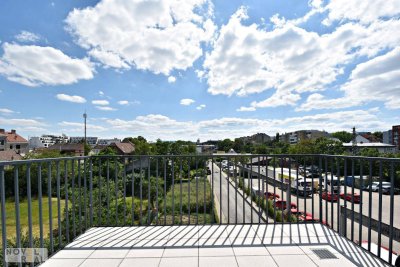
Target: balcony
202 210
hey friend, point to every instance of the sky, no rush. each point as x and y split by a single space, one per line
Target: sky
198 68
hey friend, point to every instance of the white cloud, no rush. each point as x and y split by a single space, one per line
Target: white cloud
101 93
200 107
25 36
36 65
158 36
71 98
361 10
106 108
246 109
171 79
155 126
21 122
248 59
187 101
100 102
6 111
375 80
78 126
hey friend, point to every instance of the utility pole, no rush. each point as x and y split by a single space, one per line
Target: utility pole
354 143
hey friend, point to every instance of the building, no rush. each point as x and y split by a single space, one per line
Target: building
258 138
387 137
90 140
205 149
13 141
381 147
9 155
97 149
107 142
396 136
70 149
361 139
46 141
123 148
297 136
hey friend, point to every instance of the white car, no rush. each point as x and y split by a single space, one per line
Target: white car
385 187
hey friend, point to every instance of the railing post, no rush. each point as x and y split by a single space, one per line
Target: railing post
3 215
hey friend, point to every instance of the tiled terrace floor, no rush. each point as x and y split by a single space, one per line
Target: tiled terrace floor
216 245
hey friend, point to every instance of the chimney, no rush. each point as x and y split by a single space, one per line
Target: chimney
2 131
13 131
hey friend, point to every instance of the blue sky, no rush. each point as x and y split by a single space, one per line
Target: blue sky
198 68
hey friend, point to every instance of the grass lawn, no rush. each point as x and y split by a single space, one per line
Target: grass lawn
10 215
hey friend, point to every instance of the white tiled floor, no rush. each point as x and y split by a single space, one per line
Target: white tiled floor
216 245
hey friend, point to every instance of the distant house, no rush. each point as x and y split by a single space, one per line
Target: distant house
13 141
71 149
381 147
9 155
97 149
123 148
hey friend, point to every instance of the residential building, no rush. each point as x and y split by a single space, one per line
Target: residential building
46 141
396 136
205 149
9 155
123 148
106 142
387 137
361 139
13 141
97 149
70 149
3 140
297 136
258 138
90 140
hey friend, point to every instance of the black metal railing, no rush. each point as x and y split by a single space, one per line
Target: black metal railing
49 202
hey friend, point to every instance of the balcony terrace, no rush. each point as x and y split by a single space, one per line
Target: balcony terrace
201 210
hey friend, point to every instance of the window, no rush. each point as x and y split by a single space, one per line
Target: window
18 146
11 146
1 142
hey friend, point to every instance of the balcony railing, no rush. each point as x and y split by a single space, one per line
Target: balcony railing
49 202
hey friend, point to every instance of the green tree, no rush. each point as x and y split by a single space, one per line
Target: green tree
343 136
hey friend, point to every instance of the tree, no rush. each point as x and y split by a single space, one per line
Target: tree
343 136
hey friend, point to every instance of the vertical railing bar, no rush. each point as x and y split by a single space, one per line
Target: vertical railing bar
99 215
157 207
274 176
124 189
116 189
66 200
165 191
320 187
148 191
50 207
3 215
391 219
40 195
297 187
345 201
29 195
312 186
380 209
236 190
108 192
262 193
244 191
283 193
180 191
91 192
251 191
212 191
332 226
220 191
59 205
17 214
173 190
289 199
80 197
360 224
133 193
370 204
338 196
352 201
204 193
265 188
73 197
197 191
85 192
140 191
189 206
305 185
227 184
326 191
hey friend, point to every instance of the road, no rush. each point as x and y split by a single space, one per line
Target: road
233 206
306 204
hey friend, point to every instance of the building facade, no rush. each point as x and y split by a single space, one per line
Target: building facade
92 141
297 136
13 141
396 136
107 142
387 137
46 141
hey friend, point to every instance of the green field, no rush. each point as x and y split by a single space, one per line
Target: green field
10 216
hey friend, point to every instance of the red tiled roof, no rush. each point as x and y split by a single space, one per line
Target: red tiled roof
9 155
13 137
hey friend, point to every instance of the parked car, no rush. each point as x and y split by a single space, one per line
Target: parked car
270 195
330 197
385 187
282 204
351 197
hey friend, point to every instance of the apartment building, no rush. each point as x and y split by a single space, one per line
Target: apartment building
92 141
297 136
46 141
396 136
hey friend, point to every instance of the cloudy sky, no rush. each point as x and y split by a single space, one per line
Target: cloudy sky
197 68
